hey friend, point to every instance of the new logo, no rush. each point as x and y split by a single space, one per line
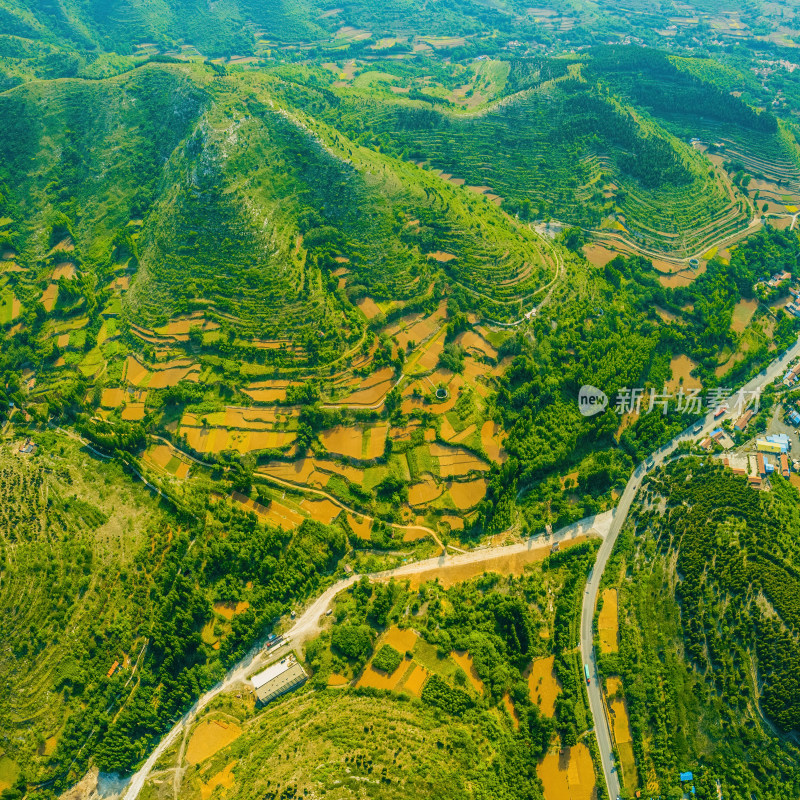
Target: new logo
591 401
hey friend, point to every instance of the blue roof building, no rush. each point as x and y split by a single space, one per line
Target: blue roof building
686 776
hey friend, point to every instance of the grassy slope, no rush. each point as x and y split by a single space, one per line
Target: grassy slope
71 528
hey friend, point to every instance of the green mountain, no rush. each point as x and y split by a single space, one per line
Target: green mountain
708 580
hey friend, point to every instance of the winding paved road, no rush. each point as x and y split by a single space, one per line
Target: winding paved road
601 726
607 525
307 624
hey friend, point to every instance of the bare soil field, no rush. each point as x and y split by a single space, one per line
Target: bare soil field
598 255
112 398
321 510
470 340
375 445
368 307
491 441
608 622
402 639
424 492
543 685
416 680
209 737
682 367
229 609
621 727
361 526
343 440
133 412
467 494
224 778
568 774
512 712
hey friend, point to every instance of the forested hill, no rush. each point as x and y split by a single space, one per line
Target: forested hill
710 613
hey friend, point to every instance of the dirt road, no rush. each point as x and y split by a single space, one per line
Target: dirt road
307 624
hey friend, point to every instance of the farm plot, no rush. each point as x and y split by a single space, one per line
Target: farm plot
491 441
621 727
343 441
608 622
455 461
113 398
543 685
321 510
567 774
371 390
267 391
133 412
362 526
164 458
474 342
161 376
467 494
425 492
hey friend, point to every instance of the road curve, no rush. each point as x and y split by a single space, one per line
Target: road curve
307 624
601 726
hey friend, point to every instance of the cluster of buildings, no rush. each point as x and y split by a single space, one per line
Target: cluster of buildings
792 375
793 307
772 455
719 436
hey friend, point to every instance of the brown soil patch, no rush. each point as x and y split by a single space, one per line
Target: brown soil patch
323 511
133 412
441 257
343 441
112 398
424 492
598 255
473 341
508 564
681 367
623 737
543 685
160 455
209 737
368 307
402 639
296 472
379 680
377 441
568 774
416 680
742 314
455 461
361 526
455 523
467 494
608 622
682 278
335 680
49 297
229 609
222 778
464 660
490 439
66 269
